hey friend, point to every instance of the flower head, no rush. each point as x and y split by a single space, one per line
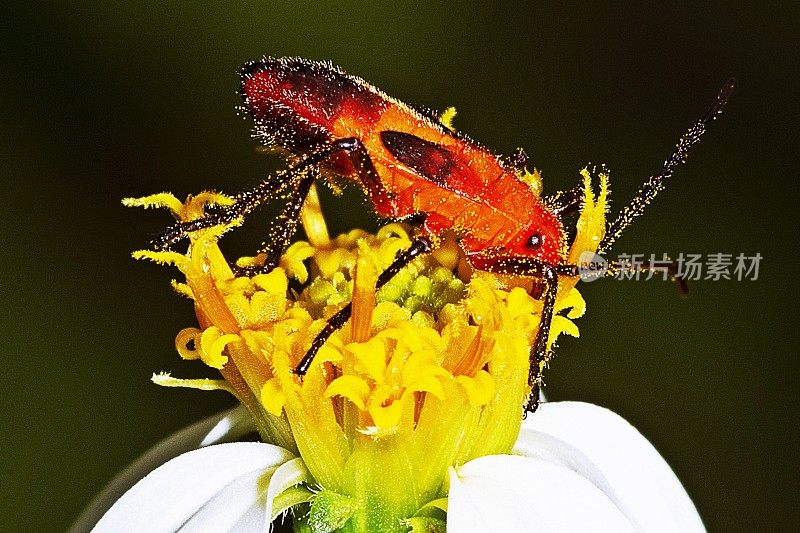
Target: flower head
419 392
430 372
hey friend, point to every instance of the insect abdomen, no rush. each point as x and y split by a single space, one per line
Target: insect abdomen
295 101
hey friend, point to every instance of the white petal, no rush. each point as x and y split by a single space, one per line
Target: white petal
222 427
239 505
521 494
605 449
247 504
168 498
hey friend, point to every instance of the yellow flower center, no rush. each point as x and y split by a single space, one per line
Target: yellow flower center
430 371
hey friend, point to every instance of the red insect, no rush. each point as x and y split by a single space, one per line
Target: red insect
413 168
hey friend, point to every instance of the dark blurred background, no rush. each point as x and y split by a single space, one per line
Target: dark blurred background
104 100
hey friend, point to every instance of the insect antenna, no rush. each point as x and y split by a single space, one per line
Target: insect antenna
655 183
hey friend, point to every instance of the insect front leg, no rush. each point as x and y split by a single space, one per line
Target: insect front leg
243 204
285 228
419 246
287 221
369 177
247 201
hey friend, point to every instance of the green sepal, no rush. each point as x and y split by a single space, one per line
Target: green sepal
330 511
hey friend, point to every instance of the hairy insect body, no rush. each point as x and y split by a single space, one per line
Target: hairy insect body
412 165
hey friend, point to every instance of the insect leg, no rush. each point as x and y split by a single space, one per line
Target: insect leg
655 183
548 274
285 229
248 200
291 214
539 350
419 246
241 207
370 179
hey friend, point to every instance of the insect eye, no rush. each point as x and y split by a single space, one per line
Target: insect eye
535 241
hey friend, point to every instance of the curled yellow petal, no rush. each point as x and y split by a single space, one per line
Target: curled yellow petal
429 383
329 352
574 302
351 387
274 282
385 414
293 259
182 340
370 357
212 343
563 325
